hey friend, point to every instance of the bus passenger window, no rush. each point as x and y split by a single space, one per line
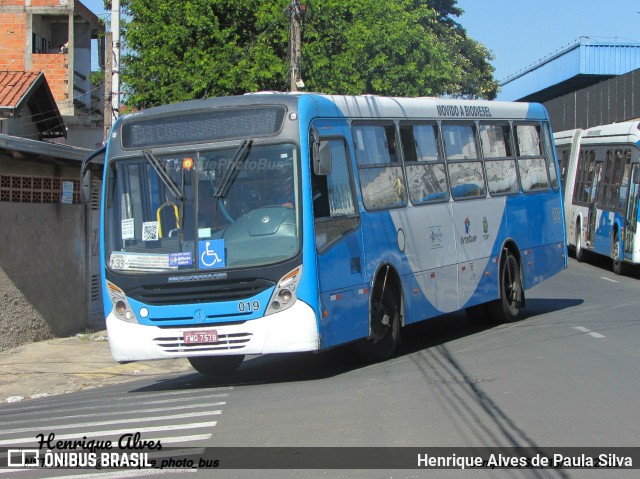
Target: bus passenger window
426 175
465 168
381 178
531 162
333 205
500 164
548 154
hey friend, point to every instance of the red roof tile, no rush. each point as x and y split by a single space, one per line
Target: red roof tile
13 86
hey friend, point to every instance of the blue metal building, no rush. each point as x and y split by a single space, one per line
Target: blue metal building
577 66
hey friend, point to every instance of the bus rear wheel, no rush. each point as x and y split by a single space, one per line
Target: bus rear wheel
579 250
507 308
216 366
618 264
385 328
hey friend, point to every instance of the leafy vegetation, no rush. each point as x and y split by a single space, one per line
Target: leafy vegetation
185 49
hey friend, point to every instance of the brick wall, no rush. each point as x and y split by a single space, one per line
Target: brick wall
12 39
54 66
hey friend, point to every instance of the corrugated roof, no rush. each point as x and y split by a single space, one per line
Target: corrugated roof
14 87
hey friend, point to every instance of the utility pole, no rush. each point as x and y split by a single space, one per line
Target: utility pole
108 72
295 41
115 49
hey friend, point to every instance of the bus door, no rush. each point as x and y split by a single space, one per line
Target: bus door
340 258
632 209
594 200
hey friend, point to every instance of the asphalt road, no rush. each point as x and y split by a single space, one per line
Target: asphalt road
565 375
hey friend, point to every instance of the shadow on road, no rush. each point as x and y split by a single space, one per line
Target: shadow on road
473 413
281 368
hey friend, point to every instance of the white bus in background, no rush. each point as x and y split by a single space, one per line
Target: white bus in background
600 176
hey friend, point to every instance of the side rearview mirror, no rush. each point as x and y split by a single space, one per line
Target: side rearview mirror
94 162
320 154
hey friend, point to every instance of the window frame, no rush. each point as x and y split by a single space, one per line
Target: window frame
526 157
398 164
512 158
440 160
477 159
323 220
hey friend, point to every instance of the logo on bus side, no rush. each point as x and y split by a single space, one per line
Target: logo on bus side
468 238
435 234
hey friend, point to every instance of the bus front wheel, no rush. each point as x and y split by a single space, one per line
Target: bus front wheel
507 308
385 328
216 366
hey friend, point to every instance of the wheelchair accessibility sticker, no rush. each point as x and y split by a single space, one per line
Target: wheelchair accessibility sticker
211 254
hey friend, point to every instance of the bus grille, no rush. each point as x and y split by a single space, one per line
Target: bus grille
203 292
226 342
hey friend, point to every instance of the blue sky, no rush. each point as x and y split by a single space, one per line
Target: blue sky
521 32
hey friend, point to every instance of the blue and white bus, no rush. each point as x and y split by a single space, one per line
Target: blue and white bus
274 223
601 177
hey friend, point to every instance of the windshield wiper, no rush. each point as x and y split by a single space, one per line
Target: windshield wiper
232 170
169 182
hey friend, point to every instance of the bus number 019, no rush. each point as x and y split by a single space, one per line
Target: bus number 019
248 306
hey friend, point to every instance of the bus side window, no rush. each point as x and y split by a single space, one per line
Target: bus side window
333 204
500 163
551 164
381 178
531 160
424 166
464 163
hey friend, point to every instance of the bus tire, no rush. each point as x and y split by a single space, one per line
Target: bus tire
507 308
385 328
216 366
579 250
618 264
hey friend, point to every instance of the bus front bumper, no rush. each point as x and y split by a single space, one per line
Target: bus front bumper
292 330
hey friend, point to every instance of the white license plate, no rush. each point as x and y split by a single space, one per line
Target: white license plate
195 337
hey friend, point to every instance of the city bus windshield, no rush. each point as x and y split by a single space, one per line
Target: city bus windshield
202 209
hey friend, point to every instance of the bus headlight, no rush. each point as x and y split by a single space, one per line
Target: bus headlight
121 307
284 295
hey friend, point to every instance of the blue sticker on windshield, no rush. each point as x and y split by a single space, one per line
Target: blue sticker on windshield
211 254
180 259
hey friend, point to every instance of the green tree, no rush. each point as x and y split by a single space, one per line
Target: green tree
185 49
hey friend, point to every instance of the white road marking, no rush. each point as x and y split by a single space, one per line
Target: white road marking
589 332
609 279
118 421
114 432
123 413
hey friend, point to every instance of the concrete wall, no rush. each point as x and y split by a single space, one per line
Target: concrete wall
43 285
43 256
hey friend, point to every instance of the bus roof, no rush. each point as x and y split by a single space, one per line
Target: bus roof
365 106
